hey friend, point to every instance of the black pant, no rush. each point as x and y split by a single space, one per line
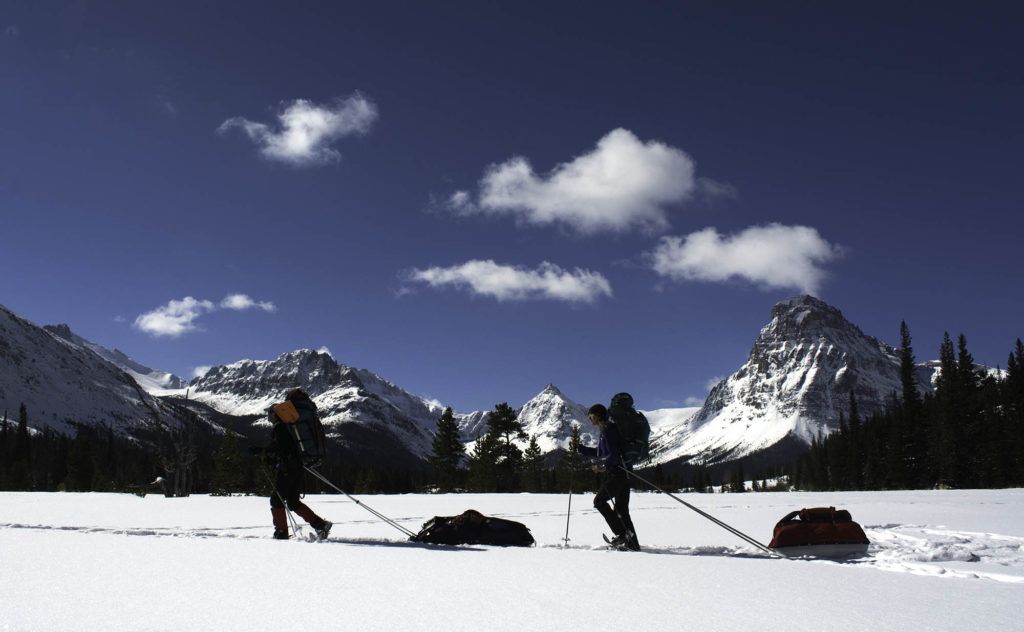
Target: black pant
288 484
615 486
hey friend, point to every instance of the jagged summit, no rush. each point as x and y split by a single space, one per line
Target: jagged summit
551 389
797 380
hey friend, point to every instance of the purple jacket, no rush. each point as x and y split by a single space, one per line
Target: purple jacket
607 451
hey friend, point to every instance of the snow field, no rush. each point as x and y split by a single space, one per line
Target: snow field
939 560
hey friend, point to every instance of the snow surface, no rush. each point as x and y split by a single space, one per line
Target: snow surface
939 560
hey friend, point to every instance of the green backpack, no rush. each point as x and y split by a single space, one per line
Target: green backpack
634 430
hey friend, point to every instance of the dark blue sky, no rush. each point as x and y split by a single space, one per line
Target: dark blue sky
893 136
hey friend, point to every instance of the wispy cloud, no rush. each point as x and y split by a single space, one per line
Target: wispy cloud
694 401
324 349
713 382
179 317
200 371
514 283
12 31
621 185
241 302
772 256
306 130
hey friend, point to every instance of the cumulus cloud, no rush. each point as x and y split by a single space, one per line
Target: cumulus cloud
173 319
622 184
180 317
243 301
772 256
305 130
513 283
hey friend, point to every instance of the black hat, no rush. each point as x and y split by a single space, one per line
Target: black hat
599 411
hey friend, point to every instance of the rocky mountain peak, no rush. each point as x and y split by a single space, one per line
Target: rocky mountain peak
804 317
552 391
62 330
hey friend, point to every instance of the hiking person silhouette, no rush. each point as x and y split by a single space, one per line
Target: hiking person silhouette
289 479
607 461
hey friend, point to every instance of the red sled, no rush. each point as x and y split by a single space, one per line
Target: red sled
819 532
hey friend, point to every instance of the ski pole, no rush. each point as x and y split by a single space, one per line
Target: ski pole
568 511
296 529
728 528
363 505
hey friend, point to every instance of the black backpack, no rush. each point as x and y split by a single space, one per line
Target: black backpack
634 430
472 527
299 414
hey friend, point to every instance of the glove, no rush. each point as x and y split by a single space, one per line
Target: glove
597 468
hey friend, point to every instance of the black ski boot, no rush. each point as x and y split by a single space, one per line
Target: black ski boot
324 530
280 534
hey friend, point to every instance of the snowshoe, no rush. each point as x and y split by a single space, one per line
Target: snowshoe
281 534
324 530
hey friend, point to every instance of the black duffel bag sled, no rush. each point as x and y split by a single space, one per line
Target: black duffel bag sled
472 527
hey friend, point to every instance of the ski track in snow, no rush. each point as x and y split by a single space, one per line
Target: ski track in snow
916 549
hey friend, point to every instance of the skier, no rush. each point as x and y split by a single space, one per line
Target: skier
289 477
614 484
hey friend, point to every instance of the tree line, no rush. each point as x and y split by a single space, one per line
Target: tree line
968 433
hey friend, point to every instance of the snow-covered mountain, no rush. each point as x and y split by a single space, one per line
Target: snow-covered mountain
797 380
550 416
154 381
62 383
344 395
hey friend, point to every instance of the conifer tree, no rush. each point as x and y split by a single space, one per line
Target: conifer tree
570 468
448 452
855 447
5 453
21 457
533 467
228 471
503 426
483 475
912 427
946 435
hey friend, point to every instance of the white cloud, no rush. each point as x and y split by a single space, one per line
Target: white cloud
173 319
772 256
177 318
694 401
307 130
324 349
511 283
200 371
243 301
713 382
622 184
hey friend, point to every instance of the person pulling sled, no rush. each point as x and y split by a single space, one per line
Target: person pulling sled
297 440
611 462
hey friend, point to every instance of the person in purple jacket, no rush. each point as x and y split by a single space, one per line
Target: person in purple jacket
614 484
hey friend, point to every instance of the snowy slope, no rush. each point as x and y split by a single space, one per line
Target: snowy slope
344 395
550 416
948 560
797 380
154 381
60 382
